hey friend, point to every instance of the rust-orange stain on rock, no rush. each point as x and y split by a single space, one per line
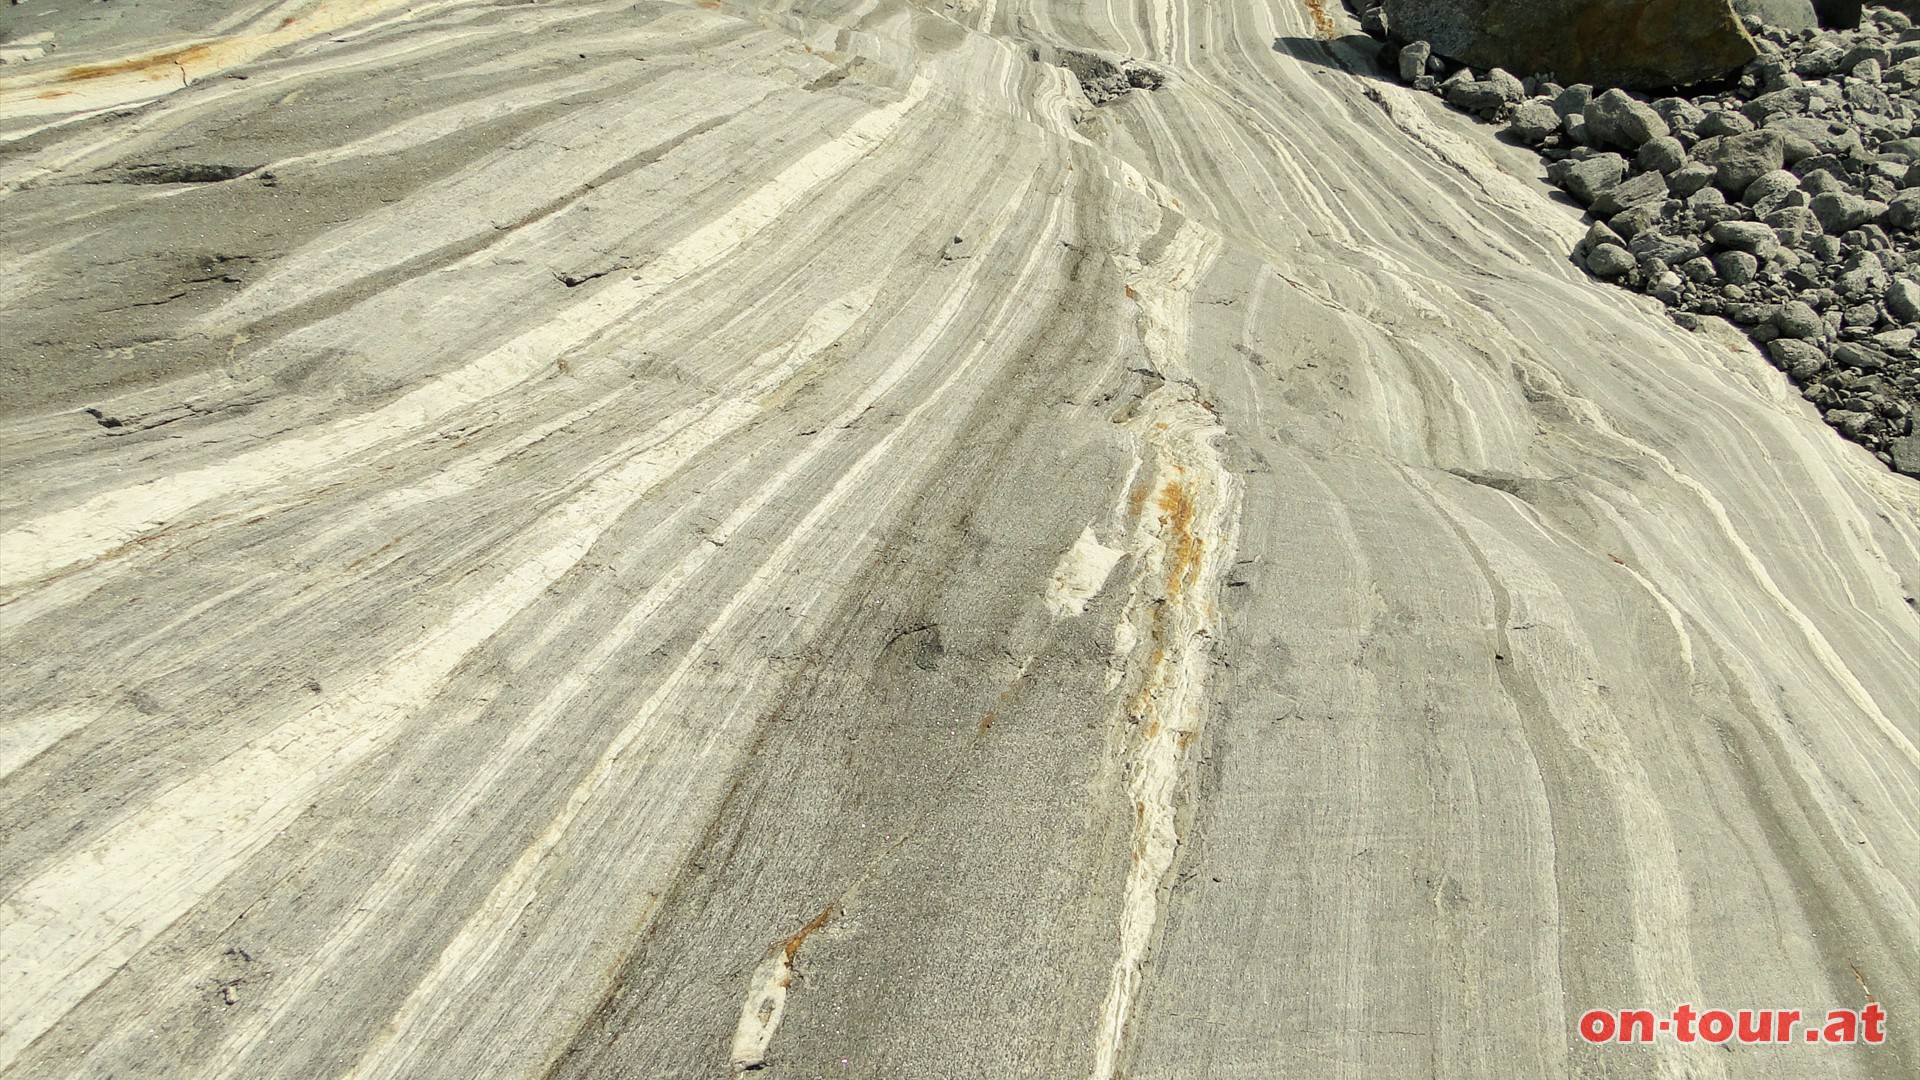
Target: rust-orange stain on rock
159 65
1137 497
792 944
1177 503
1323 23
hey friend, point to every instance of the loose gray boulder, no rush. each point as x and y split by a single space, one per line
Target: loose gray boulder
1791 101
1587 180
1841 211
1770 187
1610 261
1652 243
1413 60
1510 88
1647 187
1906 455
1599 234
1480 96
1689 178
1795 226
1723 122
1532 122
1797 358
1618 120
1804 136
1743 236
1664 155
1820 61
1634 220
1903 300
1863 278
1681 115
1573 100
1699 270
1852 354
1904 149
1795 319
1739 160
1631 43
1736 267
1903 210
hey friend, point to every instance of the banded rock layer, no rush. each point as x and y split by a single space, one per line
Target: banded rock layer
635 539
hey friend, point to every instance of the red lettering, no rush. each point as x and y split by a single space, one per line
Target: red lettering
1751 1026
1683 1023
1871 1018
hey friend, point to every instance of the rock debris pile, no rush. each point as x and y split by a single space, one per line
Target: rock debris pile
1785 200
1103 79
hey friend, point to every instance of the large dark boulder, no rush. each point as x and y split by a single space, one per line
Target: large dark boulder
1839 14
1639 44
1792 15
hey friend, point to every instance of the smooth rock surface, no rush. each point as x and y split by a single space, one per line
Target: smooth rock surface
638 540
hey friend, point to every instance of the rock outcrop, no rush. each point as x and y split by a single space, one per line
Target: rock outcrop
1794 15
1787 203
1630 43
725 541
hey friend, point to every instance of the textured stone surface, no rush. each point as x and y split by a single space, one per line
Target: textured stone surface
651 541
1631 43
1785 14
1617 119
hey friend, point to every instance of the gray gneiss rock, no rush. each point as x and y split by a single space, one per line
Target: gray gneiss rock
1532 122
1413 60
1648 187
1798 358
1610 261
1792 15
1662 156
1840 211
1615 118
1632 43
1786 201
1736 267
1481 97
1739 160
1903 300
1103 79
1906 455
1743 236
1859 357
1587 180
1903 210
1796 320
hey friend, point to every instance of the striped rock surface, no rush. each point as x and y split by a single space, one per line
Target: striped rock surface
623 539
